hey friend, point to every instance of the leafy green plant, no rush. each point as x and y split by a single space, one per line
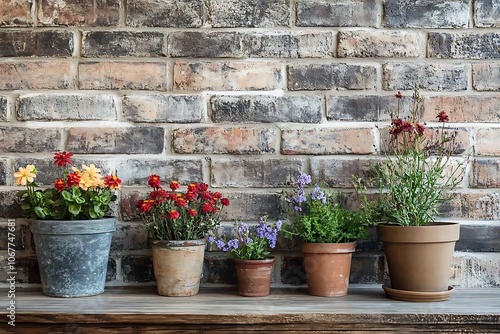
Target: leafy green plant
417 175
78 194
318 217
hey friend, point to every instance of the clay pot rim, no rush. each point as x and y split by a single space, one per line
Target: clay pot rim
270 259
434 232
178 243
344 247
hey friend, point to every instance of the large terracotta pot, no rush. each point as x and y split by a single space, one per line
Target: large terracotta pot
419 257
254 277
327 267
73 255
178 266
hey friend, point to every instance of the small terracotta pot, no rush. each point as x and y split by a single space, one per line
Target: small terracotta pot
419 257
178 266
327 267
254 277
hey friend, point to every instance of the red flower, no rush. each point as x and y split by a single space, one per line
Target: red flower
217 195
112 182
203 187
225 201
193 187
73 179
145 205
174 185
442 116
173 214
207 207
181 202
190 196
60 185
420 129
206 195
154 181
399 95
192 212
63 159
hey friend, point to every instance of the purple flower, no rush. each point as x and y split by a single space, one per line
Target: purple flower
279 224
303 179
220 244
211 239
232 244
318 195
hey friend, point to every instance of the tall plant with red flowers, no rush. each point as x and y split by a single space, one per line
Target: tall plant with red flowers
418 173
180 215
80 193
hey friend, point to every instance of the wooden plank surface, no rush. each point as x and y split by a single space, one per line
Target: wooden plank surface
364 309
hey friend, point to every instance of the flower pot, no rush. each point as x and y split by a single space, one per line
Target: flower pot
419 257
254 277
73 255
327 267
177 266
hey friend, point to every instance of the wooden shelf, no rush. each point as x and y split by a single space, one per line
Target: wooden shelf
365 310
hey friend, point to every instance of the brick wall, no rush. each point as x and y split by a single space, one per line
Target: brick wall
243 95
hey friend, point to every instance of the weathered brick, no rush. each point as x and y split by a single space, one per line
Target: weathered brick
426 14
337 13
476 270
9 205
464 109
128 201
365 108
137 269
327 141
227 75
48 172
339 172
122 75
292 270
27 270
366 268
227 140
266 173
163 108
136 140
250 13
320 44
331 76
55 107
464 45
430 76
476 236
3 171
29 140
486 13
381 43
473 205
41 43
123 44
485 173
137 171
36 75
486 142
205 44
166 13
78 12
16 13
4 108
19 234
218 268
246 206
486 77
130 236
266 109
111 270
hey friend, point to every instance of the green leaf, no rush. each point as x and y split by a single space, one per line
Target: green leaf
40 212
74 209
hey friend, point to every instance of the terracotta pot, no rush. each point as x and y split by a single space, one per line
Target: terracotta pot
254 277
178 266
327 267
419 257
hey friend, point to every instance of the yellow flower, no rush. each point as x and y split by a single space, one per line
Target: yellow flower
25 175
86 182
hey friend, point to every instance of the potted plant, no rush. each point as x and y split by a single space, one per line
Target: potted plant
328 233
178 223
71 231
251 258
413 180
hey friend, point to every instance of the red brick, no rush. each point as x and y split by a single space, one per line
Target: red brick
78 12
122 75
485 173
472 205
465 109
56 74
227 75
15 13
328 141
237 140
338 172
487 142
39 43
29 140
475 270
